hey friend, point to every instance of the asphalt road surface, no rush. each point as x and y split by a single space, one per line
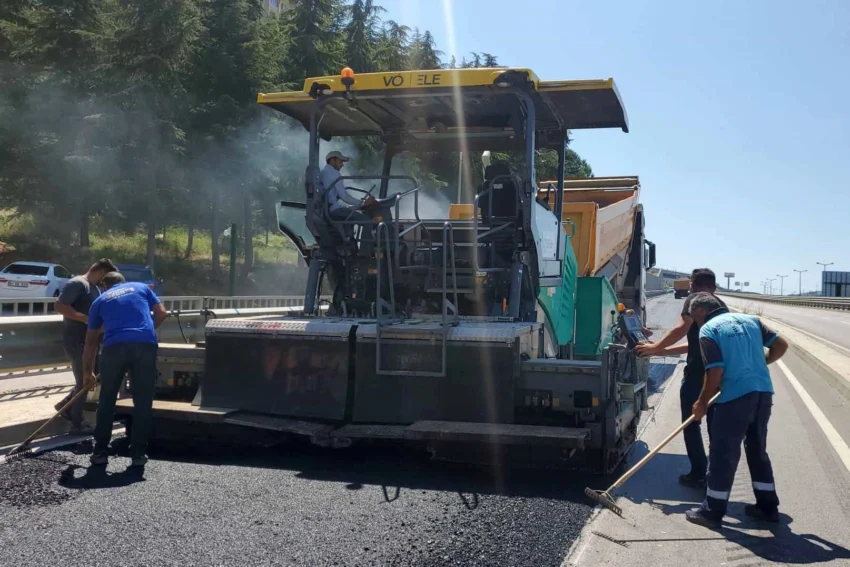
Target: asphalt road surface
829 324
290 506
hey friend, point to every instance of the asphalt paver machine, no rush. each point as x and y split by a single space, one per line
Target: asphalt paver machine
478 335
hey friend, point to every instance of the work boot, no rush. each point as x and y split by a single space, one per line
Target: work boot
139 461
81 429
703 517
691 481
99 458
753 511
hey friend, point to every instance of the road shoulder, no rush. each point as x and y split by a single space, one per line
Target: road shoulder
654 531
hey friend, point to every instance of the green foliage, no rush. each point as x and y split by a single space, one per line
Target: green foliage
120 119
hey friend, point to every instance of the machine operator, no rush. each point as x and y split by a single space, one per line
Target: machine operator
341 205
702 280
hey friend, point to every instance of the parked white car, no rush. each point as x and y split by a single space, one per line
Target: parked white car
32 279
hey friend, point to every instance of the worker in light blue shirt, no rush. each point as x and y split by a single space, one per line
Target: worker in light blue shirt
127 315
732 347
341 205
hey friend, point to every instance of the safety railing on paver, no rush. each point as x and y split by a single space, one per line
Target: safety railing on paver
842 303
18 307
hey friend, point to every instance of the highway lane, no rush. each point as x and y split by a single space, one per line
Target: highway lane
289 506
831 325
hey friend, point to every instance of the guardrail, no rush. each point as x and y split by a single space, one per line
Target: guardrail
841 303
36 341
17 307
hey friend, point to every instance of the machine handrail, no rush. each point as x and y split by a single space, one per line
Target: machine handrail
380 302
488 190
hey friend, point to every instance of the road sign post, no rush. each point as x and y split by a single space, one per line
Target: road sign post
728 276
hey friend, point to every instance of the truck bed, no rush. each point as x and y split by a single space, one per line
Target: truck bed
602 209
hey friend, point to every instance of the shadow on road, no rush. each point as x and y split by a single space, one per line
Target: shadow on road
96 477
659 373
783 545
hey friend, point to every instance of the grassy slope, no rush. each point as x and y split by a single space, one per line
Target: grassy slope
276 269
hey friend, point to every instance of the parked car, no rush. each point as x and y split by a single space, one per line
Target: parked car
32 279
141 274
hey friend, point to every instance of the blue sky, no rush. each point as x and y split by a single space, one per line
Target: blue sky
740 129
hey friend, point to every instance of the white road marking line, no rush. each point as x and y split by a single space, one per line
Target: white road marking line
832 435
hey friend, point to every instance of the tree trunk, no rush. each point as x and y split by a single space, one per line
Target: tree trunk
84 229
190 241
248 232
214 228
151 252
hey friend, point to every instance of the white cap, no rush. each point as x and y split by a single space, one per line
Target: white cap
336 154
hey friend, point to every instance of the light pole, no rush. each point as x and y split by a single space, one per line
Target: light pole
824 264
763 287
800 292
770 286
781 283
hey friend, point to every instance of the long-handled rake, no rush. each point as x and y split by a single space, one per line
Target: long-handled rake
604 498
18 452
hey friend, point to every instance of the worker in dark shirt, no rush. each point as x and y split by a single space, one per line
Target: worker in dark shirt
702 280
736 365
73 304
128 315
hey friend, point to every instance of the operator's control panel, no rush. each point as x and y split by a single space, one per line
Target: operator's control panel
630 325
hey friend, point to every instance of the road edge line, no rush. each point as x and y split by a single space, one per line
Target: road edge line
580 545
820 418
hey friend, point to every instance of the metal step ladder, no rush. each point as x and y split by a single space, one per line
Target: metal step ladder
386 312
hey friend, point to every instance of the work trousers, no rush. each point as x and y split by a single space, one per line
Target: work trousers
139 359
740 420
367 224
688 395
74 351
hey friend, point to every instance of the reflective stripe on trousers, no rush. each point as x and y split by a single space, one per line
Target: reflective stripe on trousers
742 420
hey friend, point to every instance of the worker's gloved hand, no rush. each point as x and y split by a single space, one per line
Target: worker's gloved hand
369 202
646 349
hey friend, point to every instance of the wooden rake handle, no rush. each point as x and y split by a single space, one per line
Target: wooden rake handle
76 397
629 473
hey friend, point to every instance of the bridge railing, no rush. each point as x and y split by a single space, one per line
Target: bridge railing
23 307
842 303
30 342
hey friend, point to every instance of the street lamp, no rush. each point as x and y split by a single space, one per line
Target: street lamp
824 264
781 283
800 293
770 286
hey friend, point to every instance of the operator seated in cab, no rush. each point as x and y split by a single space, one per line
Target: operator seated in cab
366 212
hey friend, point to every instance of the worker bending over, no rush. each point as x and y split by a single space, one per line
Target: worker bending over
129 344
735 364
702 280
73 304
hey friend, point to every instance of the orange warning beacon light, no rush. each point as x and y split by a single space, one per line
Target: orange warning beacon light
621 307
347 76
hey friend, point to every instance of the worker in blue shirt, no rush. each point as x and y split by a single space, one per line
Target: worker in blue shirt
128 315
736 365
